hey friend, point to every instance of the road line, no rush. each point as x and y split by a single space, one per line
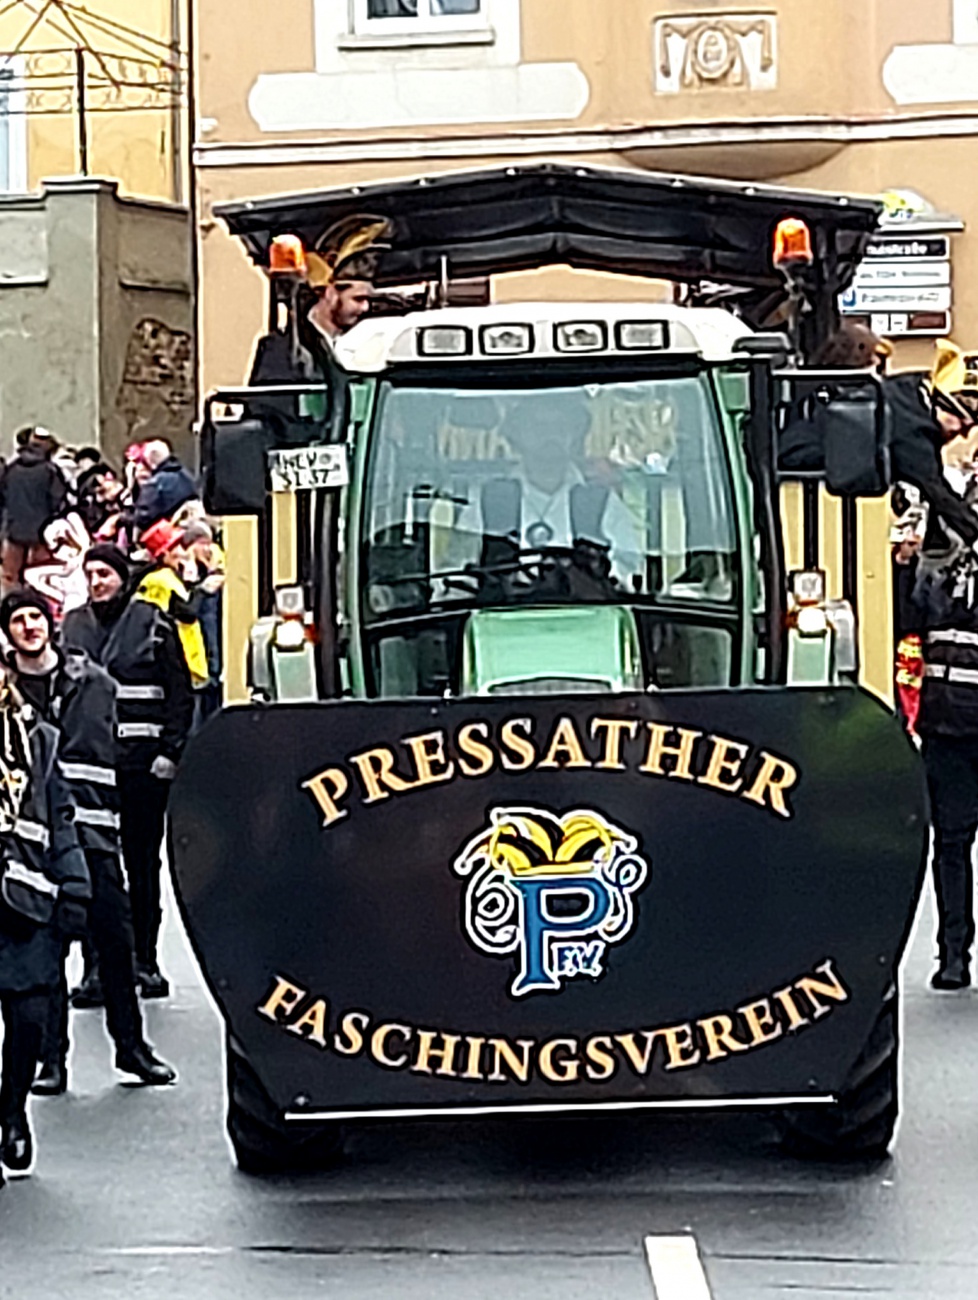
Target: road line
676 1268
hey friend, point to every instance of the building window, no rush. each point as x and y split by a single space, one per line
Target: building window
416 17
13 128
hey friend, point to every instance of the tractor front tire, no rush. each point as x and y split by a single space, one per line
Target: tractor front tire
860 1125
264 1142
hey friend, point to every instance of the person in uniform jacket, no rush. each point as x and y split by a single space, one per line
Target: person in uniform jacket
137 643
937 613
44 886
72 694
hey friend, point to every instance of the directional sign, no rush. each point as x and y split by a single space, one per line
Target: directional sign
858 302
904 248
902 324
903 275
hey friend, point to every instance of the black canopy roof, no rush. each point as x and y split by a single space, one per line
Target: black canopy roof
680 228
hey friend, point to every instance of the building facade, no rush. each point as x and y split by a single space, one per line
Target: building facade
123 66
862 96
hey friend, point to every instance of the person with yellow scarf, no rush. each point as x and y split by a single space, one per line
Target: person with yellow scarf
163 585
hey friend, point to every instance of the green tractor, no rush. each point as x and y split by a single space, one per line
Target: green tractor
556 791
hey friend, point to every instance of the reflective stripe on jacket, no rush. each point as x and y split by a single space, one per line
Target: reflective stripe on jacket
949 695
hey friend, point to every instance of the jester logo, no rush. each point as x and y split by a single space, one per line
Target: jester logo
555 891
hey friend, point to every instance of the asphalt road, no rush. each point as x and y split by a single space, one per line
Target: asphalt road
134 1194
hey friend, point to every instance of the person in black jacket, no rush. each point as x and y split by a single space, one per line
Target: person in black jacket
926 411
44 887
138 645
937 613
168 487
32 492
76 697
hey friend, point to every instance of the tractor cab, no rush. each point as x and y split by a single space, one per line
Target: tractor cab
560 494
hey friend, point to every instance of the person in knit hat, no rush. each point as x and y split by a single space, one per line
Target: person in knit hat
136 640
69 693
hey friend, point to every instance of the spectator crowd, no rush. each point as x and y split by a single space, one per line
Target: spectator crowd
111 583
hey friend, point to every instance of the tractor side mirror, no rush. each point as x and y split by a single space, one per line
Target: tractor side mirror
241 428
857 445
233 457
835 424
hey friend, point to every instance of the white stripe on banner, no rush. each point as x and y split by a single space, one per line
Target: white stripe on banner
677 1272
140 693
97 817
139 730
88 772
32 831
935 670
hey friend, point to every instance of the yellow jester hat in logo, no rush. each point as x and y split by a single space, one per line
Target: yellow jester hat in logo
540 844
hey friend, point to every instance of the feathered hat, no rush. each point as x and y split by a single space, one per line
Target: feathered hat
953 385
349 250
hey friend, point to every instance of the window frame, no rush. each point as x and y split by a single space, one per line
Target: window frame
426 23
13 126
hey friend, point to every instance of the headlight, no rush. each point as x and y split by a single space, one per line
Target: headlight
289 635
808 587
811 621
581 336
290 602
506 340
642 335
444 341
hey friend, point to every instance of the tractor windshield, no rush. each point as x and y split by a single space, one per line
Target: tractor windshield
615 493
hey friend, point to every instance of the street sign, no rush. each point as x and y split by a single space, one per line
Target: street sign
903 275
858 302
896 324
293 469
903 248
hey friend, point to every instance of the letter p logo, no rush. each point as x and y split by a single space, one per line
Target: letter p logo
557 909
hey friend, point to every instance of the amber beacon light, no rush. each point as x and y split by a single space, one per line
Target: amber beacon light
286 256
792 244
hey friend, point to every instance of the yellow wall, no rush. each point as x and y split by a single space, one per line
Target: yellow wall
136 147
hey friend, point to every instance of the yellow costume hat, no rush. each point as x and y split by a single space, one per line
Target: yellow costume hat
953 385
349 250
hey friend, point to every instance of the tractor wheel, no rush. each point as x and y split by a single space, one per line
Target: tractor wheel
263 1142
859 1126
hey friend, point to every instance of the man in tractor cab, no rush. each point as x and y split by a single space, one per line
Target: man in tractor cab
548 501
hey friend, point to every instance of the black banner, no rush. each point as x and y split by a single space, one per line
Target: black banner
489 903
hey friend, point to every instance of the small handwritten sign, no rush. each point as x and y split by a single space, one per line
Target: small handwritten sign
296 469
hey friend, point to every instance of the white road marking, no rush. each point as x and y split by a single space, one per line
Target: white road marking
676 1268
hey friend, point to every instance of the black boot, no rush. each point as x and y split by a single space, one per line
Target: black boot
17 1152
88 994
152 983
51 1079
144 1067
950 981
954 886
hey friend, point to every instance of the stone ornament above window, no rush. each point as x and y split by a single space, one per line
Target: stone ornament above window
710 51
